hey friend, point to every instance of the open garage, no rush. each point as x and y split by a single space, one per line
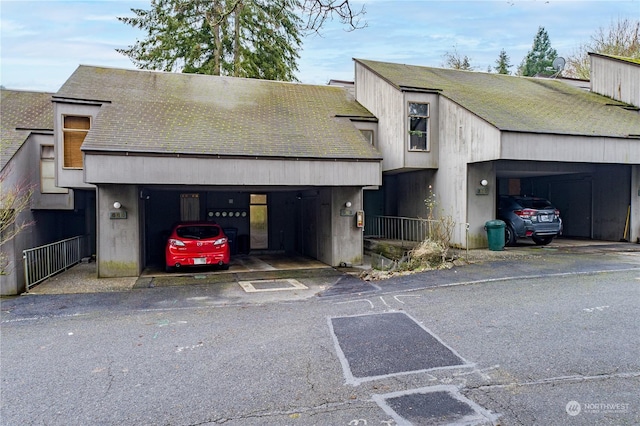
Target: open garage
593 199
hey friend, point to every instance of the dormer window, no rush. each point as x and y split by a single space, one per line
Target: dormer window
74 130
418 126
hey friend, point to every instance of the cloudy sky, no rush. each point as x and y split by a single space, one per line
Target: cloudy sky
42 42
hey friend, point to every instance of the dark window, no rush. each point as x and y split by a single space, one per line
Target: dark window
198 232
418 126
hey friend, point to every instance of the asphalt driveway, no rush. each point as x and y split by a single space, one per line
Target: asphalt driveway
547 339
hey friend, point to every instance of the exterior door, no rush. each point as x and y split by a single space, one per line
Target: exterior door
573 199
258 222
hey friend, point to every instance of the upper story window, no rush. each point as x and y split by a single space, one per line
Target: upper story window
418 126
368 135
48 172
74 130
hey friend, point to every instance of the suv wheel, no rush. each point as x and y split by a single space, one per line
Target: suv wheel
542 241
509 236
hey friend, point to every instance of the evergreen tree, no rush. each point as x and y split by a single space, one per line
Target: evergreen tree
540 57
241 38
502 63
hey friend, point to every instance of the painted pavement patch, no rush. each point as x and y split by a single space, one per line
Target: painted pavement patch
377 345
435 405
272 285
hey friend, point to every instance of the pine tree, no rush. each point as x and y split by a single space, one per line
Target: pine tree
502 63
540 58
241 38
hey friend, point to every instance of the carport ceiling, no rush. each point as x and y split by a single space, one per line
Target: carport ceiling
514 174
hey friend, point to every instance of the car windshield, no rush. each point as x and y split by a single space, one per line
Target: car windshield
198 232
535 203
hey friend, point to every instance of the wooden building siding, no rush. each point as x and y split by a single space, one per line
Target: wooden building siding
70 177
562 148
465 135
386 103
616 79
170 170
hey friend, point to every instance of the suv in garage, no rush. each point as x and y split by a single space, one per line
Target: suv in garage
529 217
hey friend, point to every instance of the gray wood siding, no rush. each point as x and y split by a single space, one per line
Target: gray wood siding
465 138
211 171
616 79
541 147
386 103
69 178
465 135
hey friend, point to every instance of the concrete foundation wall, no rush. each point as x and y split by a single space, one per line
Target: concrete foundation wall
346 237
119 240
481 204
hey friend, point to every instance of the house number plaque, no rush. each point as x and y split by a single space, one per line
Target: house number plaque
120 214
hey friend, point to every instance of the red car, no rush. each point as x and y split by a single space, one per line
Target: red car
197 244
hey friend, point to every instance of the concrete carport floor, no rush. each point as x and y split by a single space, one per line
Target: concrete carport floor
261 277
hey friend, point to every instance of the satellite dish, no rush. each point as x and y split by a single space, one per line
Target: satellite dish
558 63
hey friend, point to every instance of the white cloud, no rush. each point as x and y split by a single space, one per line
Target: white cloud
11 28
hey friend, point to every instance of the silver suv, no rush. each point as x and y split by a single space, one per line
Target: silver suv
529 217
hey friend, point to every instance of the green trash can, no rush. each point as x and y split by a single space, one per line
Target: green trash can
495 234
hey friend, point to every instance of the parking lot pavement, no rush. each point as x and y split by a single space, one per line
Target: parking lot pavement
541 340
82 277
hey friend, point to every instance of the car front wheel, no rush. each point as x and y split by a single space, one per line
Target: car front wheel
509 236
542 241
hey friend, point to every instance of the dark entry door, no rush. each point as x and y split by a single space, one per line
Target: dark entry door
573 199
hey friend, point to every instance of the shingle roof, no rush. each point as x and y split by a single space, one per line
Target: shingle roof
632 61
21 113
154 112
519 104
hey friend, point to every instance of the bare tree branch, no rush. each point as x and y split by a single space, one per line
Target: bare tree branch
317 12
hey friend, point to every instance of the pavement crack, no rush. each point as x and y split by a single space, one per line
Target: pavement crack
560 379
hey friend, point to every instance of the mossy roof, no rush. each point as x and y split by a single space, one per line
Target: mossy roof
21 113
634 61
519 104
157 112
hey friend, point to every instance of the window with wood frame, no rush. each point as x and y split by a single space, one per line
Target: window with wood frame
74 130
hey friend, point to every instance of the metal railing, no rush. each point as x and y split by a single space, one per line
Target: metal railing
45 261
405 229
409 229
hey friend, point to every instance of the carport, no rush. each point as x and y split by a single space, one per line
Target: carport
594 199
257 220
282 166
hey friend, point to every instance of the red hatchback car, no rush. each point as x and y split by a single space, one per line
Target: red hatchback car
197 244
